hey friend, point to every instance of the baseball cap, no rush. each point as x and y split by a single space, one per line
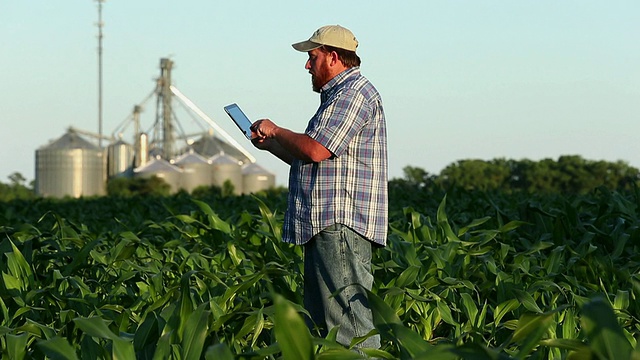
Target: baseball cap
331 35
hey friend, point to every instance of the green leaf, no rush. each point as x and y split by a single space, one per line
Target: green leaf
443 221
291 332
474 223
527 301
530 330
605 334
258 327
91 349
269 217
195 333
408 276
569 325
123 349
20 276
475 352
567 344
5 320
621 301
391 328
531 323
57 348
80 258
512 225
163 349
17 345
146 332
445 313
218 352
471 309
339 354
95 326
186 304
214 219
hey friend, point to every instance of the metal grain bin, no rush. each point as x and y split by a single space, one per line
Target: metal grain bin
120 159
196 170
255 178
209 146
70 166
225 167
141 150
163 169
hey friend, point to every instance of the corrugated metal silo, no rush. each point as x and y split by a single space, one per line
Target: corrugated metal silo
141 150
120 159
225 167
255 178
196 170
163 169
70 166
209 146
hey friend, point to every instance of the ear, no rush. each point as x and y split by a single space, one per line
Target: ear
334 58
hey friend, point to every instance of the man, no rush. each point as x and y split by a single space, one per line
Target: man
337 206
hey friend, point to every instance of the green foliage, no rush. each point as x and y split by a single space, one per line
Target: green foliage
569 174
466 274
126 187
228 188
16 189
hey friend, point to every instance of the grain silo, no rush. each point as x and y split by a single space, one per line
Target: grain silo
196 170
163 169
226 168
120 159
208 145
255 178
70 166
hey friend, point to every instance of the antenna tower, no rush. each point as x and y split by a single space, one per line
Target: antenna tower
100 25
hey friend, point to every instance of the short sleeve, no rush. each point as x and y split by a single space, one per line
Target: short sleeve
335 124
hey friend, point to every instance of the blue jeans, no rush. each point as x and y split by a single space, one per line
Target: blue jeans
335 258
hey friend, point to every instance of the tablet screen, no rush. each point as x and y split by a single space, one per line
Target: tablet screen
243 122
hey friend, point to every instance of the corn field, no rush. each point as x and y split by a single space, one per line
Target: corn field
466 275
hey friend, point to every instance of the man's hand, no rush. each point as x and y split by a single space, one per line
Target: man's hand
264 128
286 144
263 143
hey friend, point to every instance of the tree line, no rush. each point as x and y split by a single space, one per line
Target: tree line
17 188
569 174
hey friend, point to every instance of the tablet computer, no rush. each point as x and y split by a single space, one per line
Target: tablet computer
243 122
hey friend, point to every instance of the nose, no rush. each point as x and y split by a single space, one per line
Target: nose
307 65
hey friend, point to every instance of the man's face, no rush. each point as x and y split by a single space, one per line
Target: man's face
318 66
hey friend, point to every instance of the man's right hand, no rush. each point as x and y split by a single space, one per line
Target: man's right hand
262 143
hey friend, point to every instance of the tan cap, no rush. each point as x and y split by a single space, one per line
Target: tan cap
331 35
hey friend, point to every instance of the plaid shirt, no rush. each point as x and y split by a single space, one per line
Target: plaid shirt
350 187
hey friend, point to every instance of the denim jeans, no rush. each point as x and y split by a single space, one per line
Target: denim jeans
335 258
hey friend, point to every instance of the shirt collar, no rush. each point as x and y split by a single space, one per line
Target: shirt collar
340 78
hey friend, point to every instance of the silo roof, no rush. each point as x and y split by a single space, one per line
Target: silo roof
70 140
191 158
255 169
157 165
223 158
209 145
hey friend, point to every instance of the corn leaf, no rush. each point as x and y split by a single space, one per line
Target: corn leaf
57 348
291 332
605 334
195 332
17 345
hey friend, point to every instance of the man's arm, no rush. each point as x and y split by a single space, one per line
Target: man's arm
289 144
272 146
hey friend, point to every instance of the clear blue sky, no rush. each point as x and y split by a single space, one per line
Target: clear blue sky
459 79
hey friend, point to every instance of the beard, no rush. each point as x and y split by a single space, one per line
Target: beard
320 78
